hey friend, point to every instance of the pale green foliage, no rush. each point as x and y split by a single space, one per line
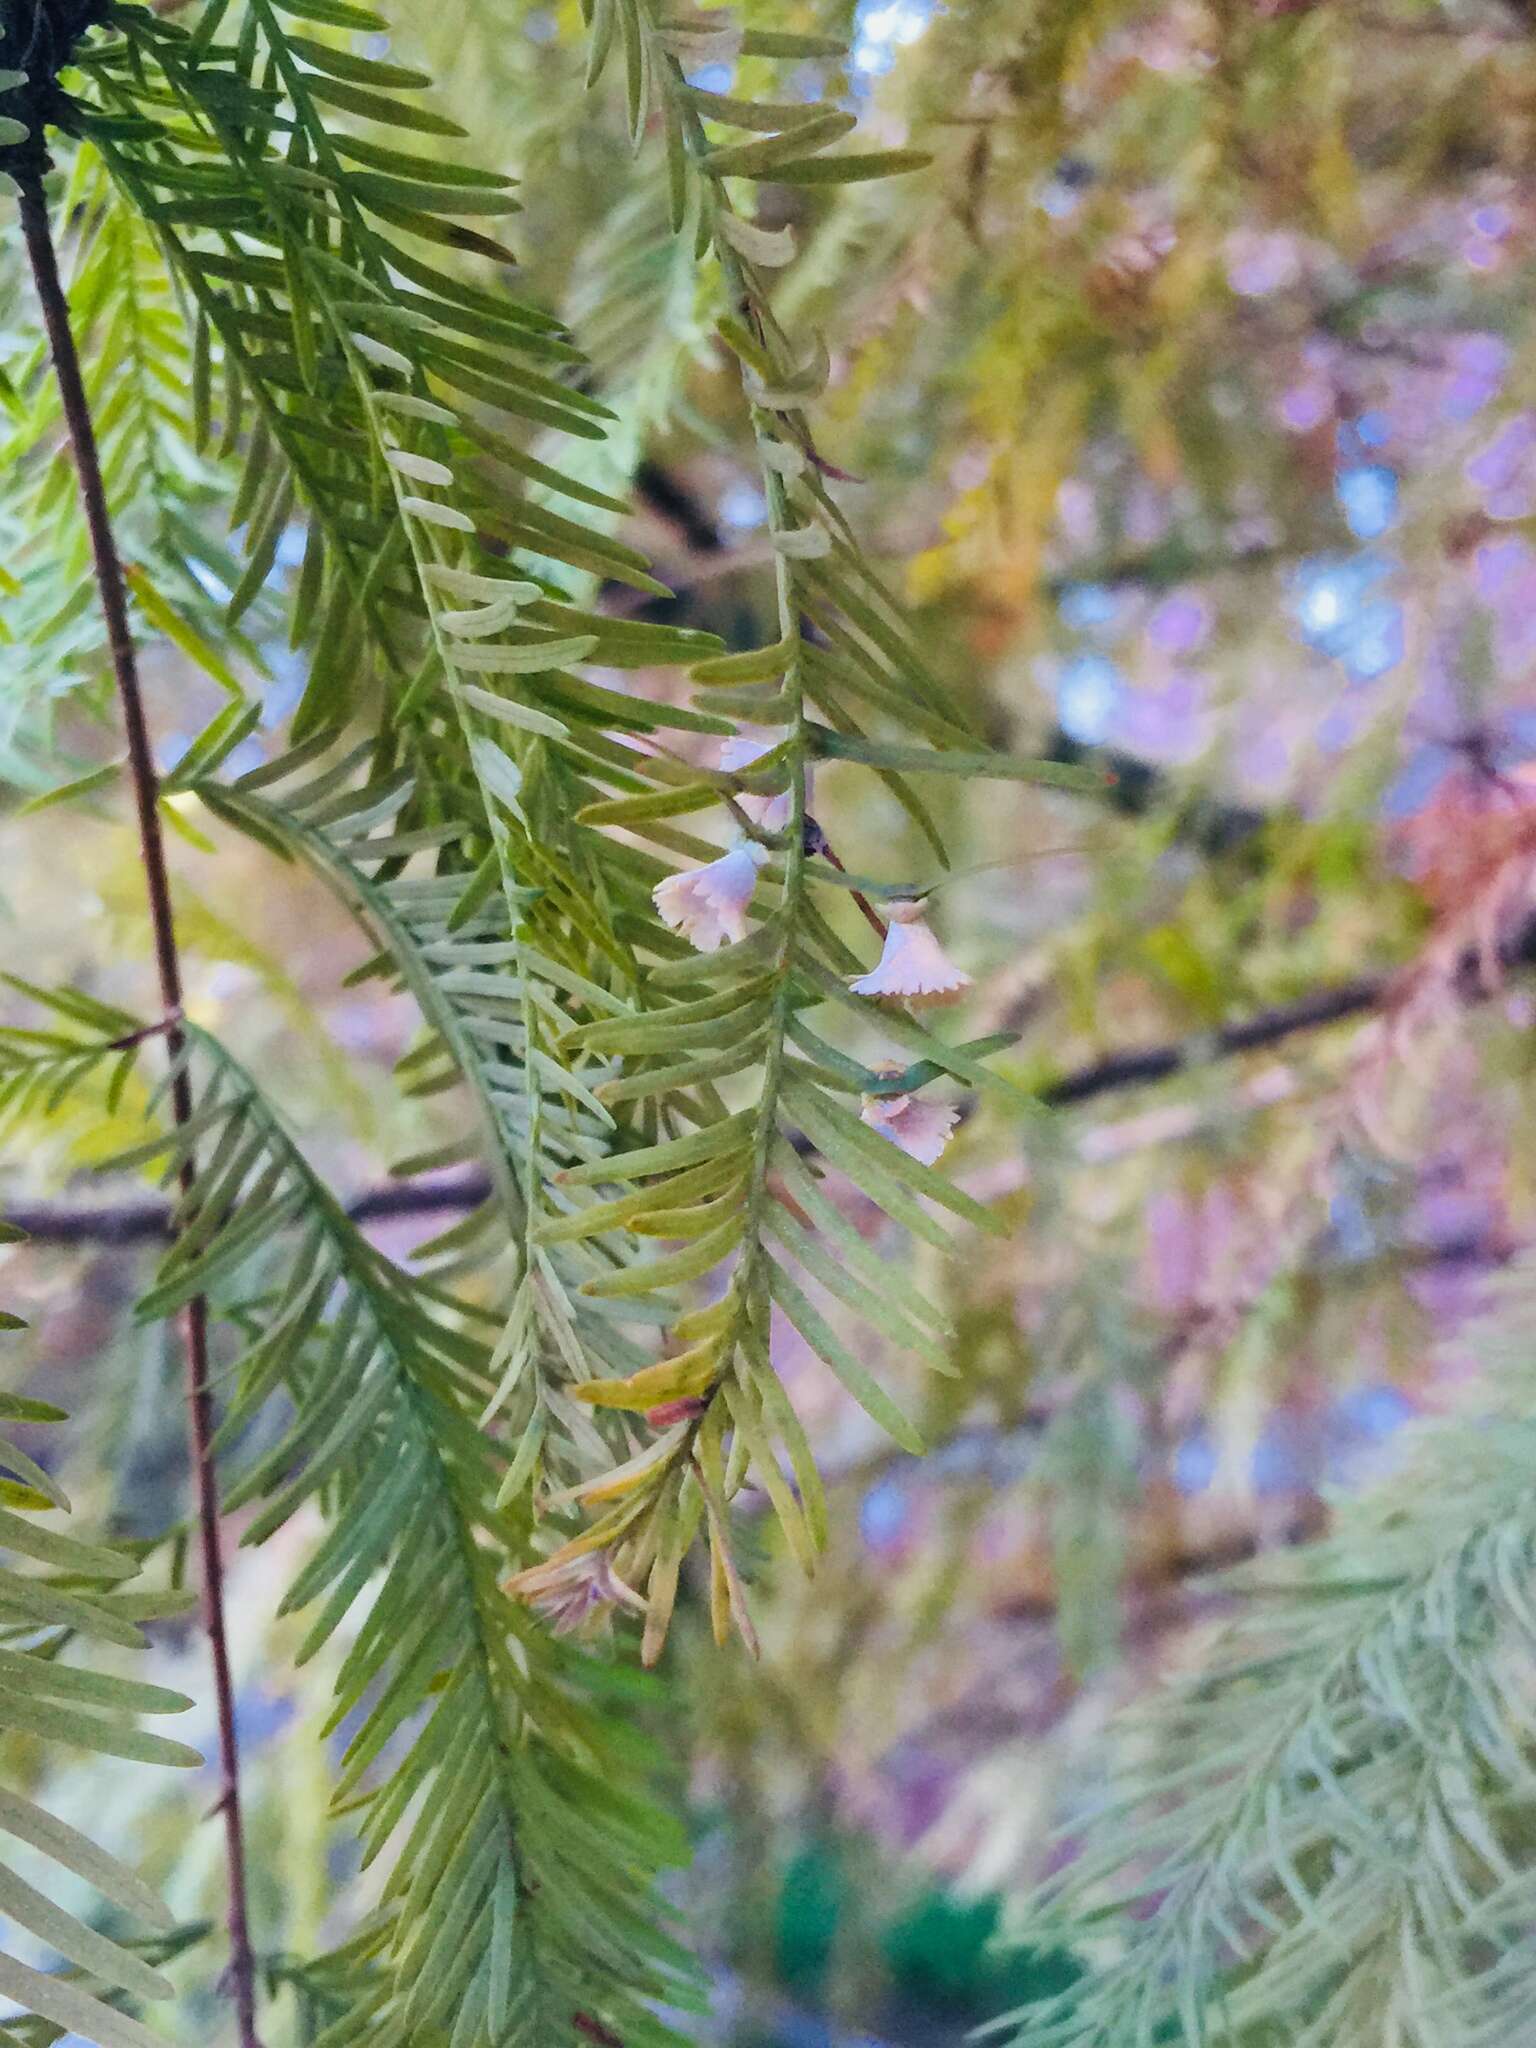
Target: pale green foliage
289 307
510 1901
294 320
644 316
735 1184
1324 1828
474 1008
137 360
498 821
57 1591
368 417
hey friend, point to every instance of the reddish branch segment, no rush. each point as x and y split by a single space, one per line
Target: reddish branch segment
114 605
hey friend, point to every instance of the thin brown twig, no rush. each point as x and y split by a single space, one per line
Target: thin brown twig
148 1221
1159 1062
162 1026
200 1417
871 916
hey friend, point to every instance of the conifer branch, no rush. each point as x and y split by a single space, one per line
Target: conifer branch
113 596
141 1221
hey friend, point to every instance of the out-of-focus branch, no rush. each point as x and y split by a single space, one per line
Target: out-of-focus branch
1167 563
671 499
1134 786
145 1221
148 1222
1159 1062
1442 26
1153 1578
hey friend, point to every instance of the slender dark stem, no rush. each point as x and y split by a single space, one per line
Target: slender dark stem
870 915
114 605
149 1221
1157 1062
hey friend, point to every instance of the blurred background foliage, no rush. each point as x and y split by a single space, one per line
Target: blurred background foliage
1190 396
